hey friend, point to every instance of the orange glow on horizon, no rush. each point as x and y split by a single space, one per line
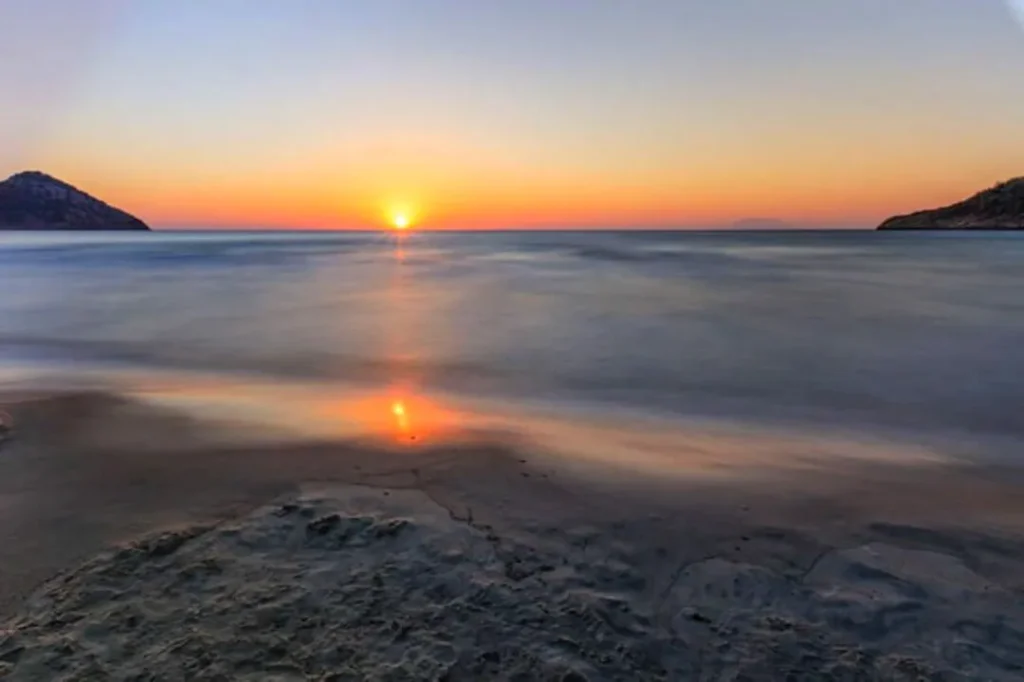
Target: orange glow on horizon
469 198
445 143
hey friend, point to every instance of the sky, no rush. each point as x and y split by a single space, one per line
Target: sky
514 113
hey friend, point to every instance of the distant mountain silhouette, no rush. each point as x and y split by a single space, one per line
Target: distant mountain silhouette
999 208
761 224
36 201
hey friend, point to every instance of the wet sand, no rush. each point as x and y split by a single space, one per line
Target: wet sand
140 543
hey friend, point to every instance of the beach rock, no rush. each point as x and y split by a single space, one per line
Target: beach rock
998 208
323 525
386 589
36 201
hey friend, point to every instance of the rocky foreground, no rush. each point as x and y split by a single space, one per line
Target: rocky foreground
36 201
360 584
999 208
143 544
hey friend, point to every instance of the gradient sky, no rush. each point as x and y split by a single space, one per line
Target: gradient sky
509 113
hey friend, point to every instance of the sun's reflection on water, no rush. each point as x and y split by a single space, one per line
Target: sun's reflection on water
398 404
408 419
401 417
412 418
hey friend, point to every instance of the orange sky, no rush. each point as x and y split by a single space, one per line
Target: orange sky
492 115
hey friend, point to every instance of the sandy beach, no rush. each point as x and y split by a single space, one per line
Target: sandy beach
140 543
512 341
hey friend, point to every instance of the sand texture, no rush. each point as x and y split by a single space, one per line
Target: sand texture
352 583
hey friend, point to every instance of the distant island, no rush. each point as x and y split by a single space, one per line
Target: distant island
761 224
36 201
999 208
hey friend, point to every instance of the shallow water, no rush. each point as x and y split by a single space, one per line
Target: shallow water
866 331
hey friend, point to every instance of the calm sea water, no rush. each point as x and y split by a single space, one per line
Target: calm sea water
916 331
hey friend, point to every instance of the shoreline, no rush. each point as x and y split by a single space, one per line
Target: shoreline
860 566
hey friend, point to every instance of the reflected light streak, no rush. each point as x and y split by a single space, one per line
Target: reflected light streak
404 418
412 417
400 246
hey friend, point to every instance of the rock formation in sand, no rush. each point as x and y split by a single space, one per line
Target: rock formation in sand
36 201
361 584
999 208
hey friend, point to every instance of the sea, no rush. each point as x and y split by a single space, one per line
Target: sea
910 338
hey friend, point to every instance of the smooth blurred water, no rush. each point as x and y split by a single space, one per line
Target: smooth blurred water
891 329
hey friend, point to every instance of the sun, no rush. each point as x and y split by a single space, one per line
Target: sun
400 215
401 221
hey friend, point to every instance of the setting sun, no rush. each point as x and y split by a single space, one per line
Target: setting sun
400 221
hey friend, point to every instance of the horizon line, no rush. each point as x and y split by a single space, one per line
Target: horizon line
793 227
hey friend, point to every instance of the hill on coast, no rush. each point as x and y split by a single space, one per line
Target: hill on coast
998 208
37 201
